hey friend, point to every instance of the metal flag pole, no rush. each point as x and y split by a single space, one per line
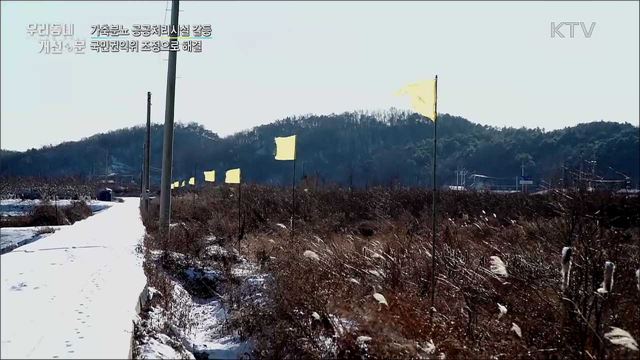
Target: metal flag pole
293 197
433 219
240 210
194 184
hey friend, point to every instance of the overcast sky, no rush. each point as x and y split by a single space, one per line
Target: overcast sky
497 64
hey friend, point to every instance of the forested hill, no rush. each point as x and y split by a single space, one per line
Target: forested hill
365 148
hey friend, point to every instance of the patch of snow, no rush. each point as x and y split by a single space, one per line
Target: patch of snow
342 325
244 270
227 347
327 345
154 349
13 237
215 251
202 326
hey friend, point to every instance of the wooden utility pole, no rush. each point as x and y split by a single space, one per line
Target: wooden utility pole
167 145
142 197
146 177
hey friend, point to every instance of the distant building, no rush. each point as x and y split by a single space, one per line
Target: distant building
493 184
629 192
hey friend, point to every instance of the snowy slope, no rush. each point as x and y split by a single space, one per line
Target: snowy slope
73 293
13 237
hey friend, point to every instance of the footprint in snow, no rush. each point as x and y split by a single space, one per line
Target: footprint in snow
19 286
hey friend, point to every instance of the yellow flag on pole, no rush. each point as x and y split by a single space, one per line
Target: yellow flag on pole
210 176
192 180
286 148
423 96
176 184
232 176
183 183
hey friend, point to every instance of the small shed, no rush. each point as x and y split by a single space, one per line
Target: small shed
105 194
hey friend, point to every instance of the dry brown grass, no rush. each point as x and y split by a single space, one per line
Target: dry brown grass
47 214
380 241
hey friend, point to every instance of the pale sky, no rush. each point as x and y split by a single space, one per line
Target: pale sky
496 63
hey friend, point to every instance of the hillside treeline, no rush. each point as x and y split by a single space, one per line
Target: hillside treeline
362 149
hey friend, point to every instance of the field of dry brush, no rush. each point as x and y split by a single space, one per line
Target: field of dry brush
353 281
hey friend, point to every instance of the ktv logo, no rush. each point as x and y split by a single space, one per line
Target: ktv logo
560 29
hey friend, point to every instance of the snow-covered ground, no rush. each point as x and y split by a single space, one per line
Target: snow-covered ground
198 327
15 207
73 294
205 336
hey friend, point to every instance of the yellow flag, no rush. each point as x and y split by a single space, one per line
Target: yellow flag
232 176
192 180
286 148
182 185
210 176
176 184
423 96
